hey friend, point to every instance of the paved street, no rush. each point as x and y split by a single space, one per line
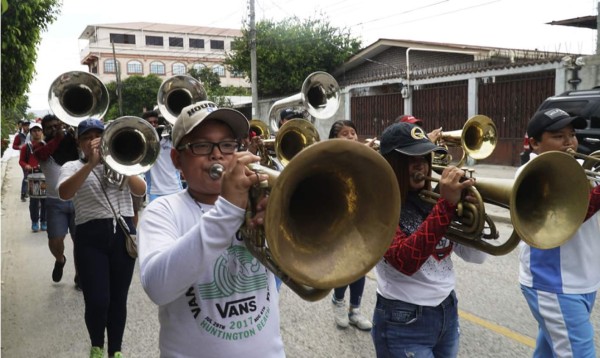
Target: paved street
44 319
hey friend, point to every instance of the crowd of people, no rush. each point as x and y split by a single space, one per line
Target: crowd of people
215 299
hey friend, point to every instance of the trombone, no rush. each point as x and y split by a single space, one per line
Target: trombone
327 223
546 206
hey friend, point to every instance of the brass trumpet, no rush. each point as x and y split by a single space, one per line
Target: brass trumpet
327 223
546 206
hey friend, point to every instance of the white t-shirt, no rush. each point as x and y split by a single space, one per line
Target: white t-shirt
164 177
215 299
89 201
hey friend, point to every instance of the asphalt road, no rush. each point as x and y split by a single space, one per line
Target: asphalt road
45 319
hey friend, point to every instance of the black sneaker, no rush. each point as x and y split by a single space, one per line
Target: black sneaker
57 273
23 198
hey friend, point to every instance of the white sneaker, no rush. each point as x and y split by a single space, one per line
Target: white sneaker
361 322
340 313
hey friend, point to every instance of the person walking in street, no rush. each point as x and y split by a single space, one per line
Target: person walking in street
29 163
215 299
560 284
18 143
105 267
343 314
59 146
416 311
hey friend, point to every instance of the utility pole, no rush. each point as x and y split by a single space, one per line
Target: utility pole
253 71
119 87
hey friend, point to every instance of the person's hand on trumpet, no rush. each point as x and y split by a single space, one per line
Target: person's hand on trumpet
238 179
435 136
452 184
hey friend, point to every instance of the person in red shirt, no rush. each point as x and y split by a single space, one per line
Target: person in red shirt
18 143
30 165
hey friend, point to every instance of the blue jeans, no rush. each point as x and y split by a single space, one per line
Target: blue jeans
37 210
356 290
401 329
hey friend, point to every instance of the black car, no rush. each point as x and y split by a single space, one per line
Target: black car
583 103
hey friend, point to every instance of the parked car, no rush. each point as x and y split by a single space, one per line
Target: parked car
584 103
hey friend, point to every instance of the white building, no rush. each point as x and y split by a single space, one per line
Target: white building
143 48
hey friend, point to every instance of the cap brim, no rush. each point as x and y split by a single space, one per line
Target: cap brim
421 149
577 122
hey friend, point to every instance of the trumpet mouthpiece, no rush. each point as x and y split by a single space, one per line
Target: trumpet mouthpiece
216 171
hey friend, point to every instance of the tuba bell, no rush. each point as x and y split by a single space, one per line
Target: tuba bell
477 139
129 146
177 92
319 95
294 136
76 95
331 216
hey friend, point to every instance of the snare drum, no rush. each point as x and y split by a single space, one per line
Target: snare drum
36 183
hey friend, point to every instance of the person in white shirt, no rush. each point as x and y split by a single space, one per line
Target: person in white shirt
416 313
215 299
560 284
162 178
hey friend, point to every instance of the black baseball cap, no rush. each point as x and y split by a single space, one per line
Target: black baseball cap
407 138
552 119
288 113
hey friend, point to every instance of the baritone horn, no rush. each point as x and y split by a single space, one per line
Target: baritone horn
319 96
546 206
477 139
76 95
326 222
591 164
129 146
177 92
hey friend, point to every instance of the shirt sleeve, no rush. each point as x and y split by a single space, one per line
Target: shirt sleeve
170 260
23 157
17 142
43 151
594 205
408 253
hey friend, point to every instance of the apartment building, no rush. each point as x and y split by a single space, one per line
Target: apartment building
142 48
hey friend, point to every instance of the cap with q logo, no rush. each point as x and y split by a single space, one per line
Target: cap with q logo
407 138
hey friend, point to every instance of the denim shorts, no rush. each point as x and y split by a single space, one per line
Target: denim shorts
60 218
402 329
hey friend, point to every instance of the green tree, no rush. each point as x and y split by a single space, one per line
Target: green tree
212 84
289 50
138 92
22 23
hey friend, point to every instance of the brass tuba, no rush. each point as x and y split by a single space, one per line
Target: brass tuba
320 96
477 139
177 92
546 206
129 146
76 95
331 216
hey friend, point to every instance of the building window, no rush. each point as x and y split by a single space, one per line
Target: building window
154 41
217 45
109 66
219 70
157 68
122 39
179 69
135 67
198 66
237 74
196 43
175 41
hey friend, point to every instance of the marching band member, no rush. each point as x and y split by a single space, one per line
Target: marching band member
560 284
416 310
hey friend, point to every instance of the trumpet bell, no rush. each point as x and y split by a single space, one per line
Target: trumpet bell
177 92
76 95
260 128
479 137
129 145
332 213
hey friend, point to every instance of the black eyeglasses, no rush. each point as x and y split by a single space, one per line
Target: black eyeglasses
204 148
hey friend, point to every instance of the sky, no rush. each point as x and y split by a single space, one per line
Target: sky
518 24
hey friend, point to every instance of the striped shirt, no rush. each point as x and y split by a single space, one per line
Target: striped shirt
89 201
